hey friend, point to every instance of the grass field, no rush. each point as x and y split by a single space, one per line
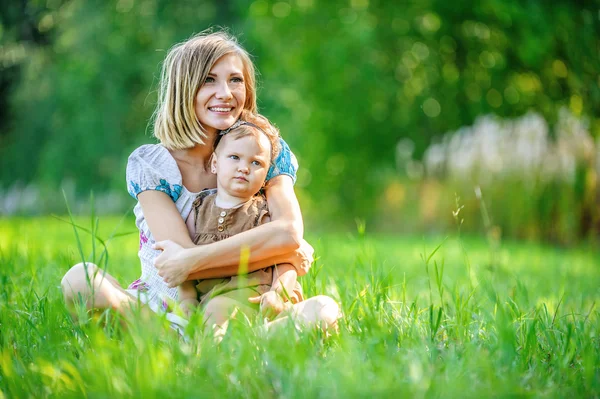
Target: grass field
521 321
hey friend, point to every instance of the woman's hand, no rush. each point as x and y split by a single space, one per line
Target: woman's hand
305 258
172 263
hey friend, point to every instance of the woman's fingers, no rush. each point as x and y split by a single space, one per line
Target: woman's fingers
158 263
174 281
160 245
169 268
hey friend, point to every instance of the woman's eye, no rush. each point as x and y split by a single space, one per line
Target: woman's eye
209 80
237 80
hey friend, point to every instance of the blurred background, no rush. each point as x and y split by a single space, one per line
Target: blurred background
407 116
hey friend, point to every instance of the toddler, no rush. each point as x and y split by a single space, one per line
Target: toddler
241 159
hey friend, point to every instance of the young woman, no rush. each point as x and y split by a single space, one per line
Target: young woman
206 82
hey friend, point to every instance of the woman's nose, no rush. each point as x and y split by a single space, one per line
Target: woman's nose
223 92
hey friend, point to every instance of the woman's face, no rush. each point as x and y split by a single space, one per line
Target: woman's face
220 100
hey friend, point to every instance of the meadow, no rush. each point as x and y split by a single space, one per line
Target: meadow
433 316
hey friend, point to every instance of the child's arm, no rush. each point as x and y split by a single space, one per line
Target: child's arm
282 294
188 296
284 282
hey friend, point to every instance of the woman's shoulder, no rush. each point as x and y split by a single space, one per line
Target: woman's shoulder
151 167
151 152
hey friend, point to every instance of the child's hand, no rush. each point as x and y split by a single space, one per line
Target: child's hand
271 304
188 306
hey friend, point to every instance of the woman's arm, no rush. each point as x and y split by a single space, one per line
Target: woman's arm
274 242
173 263
267 242
163 218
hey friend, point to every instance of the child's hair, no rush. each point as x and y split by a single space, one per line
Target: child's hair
255 125
184 71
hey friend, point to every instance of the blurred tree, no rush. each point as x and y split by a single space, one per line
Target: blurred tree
345 80
83 103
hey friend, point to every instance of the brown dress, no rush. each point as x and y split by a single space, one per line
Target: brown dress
213 224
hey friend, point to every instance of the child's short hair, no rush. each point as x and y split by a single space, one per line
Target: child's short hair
184 70
255 125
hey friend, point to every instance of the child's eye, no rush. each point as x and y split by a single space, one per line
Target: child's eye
234 157
257 163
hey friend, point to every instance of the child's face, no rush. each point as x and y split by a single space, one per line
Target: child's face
241 164
220 100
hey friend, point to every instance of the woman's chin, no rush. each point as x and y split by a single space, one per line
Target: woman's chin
224 123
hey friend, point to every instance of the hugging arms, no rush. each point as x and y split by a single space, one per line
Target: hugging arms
277 242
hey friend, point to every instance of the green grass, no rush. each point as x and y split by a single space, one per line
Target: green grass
414 324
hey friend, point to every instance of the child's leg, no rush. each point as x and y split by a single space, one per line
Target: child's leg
188 297
320 310
220 309
98 289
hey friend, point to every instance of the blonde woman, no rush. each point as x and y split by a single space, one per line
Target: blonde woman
206 83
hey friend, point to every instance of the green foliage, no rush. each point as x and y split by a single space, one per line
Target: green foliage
363 75
417 323
84 101
344 80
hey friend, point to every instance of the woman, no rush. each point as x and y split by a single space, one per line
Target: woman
206 82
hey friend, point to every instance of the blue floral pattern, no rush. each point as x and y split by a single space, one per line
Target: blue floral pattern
165 187
134 189
285 164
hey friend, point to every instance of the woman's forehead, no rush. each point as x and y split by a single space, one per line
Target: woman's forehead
229 63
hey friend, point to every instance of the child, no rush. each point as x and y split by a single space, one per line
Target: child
241 159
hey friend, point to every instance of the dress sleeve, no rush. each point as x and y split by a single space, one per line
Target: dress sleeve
151 167
285 164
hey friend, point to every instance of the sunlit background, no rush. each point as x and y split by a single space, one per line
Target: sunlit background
419 117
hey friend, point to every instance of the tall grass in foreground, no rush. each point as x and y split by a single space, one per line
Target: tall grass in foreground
423 317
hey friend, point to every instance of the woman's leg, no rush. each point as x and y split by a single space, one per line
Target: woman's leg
96 288
320 310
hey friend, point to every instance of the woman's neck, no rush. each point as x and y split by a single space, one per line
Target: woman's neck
197 156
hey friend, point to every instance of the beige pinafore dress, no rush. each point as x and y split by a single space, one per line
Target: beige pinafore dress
213 224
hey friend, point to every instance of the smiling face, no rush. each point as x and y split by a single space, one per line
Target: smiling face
181 119
241 164
220 100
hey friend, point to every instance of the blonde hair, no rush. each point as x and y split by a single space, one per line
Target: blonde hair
254 125
184 71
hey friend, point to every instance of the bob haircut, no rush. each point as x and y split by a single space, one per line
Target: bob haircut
184 71
251 124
